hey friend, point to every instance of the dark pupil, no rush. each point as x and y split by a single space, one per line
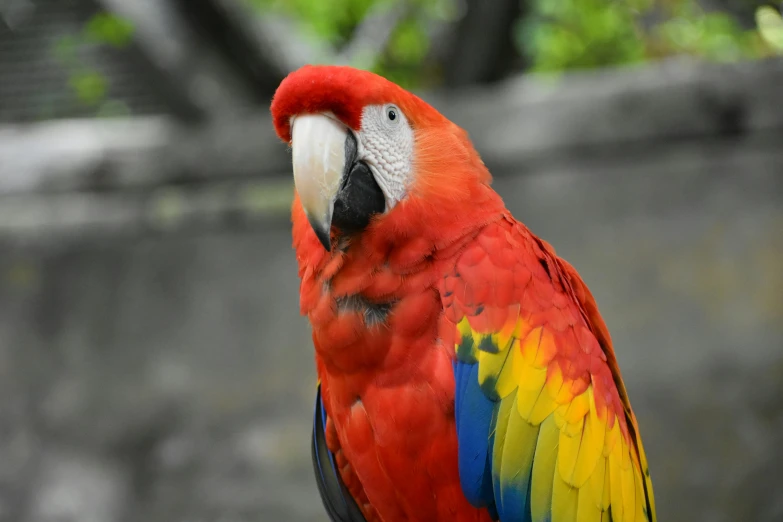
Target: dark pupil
392 115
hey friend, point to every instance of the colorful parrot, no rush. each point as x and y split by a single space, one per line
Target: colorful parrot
465 373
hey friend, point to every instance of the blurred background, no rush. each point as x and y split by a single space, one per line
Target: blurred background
153 363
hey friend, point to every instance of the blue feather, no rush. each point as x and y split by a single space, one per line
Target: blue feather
474 412
515 504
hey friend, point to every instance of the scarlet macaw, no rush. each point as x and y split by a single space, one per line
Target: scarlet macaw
465 372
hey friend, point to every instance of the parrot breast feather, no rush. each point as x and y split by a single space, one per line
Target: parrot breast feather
544 426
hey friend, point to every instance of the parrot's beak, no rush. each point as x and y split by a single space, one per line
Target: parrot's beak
333 186
318 150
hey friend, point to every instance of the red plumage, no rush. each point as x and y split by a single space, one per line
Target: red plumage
388 388
406 461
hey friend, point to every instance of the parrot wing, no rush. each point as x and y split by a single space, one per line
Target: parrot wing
338 502
544 425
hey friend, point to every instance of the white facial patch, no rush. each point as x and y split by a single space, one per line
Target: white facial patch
386 145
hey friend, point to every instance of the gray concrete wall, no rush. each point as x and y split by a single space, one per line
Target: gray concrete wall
164 373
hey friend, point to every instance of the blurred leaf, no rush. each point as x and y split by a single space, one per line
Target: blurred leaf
443 10
557 35
66 49
333 21
333 24
109 29
90 86
113 109
770 26
409 43
571 34
580 34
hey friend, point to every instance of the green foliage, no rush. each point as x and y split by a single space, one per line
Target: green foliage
408 48
87 84
569 34
770 24
90 86
579 34
66 50
557 35
333 24
108 29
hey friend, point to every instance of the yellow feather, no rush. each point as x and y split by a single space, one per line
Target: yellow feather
519 449
499 367
538 347
554 379
606 501
529 344
597 482
522 329
589 453
466 332
543 408
547 348
544 470
640 503
645 470
501 341
528 376
464 327
567 455
612 437
567 418
578 408
526 399
475 335
586 508
616 482
559 389
564 500
505 409
597 425
559 416
625 453
629 493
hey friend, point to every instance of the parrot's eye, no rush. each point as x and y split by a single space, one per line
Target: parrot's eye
391 113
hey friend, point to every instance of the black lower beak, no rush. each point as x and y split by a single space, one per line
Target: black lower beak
359 198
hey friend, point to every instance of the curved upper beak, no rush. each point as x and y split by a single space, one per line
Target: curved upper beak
320 149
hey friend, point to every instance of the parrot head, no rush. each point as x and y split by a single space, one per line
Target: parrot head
364 150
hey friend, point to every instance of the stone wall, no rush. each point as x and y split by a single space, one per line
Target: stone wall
155 367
